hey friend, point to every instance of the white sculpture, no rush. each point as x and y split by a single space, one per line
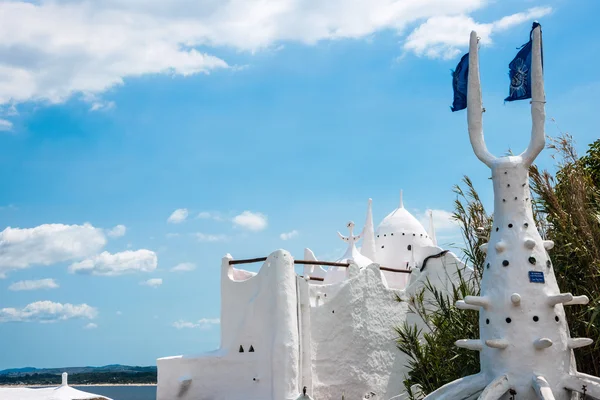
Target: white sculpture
525 348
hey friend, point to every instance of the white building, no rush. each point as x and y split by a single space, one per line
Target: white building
330 330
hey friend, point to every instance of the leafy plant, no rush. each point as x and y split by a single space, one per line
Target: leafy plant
432 357
569 208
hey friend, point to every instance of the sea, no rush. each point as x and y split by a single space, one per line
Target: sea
122 392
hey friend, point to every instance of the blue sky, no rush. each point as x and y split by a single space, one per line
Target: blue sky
259 119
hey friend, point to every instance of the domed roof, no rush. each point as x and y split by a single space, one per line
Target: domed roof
400 220
400 240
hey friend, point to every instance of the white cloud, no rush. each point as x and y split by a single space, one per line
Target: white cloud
113 40
117 231
47 244
34 285
172 235
205 237
125 262
184 267
178 216
443 36
102 105
210 215
47 311
153 283
5 125
251 221
91 325
108 41
288 235
119 313
204 323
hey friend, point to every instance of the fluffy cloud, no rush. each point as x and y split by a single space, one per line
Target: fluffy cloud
443 36
205 237
125 262
117 231
204 323
251 221
153 283
47 244
288 235
178 216
91 325
5 125
110 41
47 311
34 285
184 267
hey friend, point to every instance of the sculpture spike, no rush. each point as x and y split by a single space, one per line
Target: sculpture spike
477 301
575 343
559 298
497 343
461 305
548 244
515 298
538 100
470 344
530 244
484 247
542 388
496 389
475 105
581 300
500 246
542 343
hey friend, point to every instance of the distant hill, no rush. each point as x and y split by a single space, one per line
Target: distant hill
15 372
115 374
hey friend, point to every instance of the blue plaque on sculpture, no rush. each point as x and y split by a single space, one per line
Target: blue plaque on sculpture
536 277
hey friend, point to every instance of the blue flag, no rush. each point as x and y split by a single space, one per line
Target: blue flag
520 71
459 84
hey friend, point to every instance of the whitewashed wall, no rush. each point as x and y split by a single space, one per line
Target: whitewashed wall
261 312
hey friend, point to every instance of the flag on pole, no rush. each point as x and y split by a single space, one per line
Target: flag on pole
459 84
520 71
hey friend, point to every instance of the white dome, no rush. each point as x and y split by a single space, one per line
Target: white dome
399 239
400 220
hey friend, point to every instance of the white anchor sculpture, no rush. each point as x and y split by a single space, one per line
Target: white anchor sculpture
525 348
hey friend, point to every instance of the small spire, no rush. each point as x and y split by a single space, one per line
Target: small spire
368 248
64 379
432 228
401 201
